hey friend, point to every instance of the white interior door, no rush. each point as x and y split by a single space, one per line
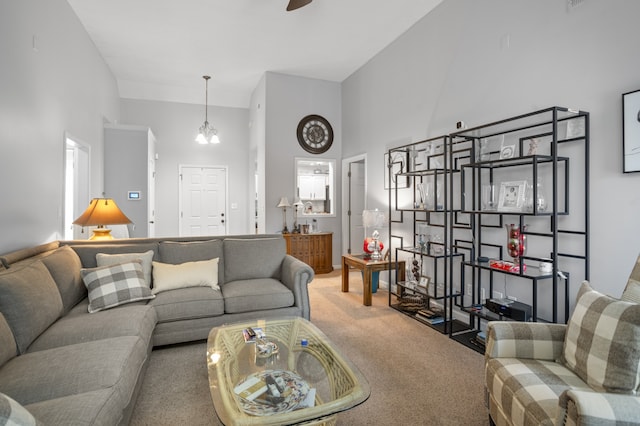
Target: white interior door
76 185
151 195
356 205
203 194
354 196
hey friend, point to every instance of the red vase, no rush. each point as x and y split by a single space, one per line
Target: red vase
516 241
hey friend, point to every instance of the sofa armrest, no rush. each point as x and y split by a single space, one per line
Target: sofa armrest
296 275
532 340
583 407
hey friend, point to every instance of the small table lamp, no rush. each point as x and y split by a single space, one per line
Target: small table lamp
297 205
376 220
284 203
101 212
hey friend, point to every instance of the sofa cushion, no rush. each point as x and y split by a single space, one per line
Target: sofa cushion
602 343
527 390
12 413
105 259
88 252
8 348
254 295
64 266
68 370
188 303
99 407
114 285
175 252
79 326
29 300
202 273
251 258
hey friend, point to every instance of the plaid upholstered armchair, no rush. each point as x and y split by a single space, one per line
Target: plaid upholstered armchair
586 372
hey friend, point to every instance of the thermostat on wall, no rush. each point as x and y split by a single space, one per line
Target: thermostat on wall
133 195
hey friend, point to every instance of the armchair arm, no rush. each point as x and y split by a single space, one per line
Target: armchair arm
532 340
583 407
296 275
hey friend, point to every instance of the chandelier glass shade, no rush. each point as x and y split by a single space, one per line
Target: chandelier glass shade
207 134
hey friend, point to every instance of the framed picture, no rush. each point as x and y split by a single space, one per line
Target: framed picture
424 281
507 151
631 132
397 164
512 195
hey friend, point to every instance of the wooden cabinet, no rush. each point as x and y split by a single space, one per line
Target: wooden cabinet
313 249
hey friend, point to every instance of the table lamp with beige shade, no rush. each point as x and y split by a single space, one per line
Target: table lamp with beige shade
101 212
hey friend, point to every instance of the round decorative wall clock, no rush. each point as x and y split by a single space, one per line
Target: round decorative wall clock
315 134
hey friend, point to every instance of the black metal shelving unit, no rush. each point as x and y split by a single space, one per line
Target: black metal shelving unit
420 199
550 144
545 155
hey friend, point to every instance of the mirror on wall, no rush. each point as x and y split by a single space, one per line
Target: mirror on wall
315 187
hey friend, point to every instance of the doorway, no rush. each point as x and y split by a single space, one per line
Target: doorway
354 190
203 200
77 160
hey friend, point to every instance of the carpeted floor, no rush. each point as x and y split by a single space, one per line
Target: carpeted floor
417 375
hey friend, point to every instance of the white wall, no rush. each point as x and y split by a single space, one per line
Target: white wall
288 100
175 126
60 85
456 64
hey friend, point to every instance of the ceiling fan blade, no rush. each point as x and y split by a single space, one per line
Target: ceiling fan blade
296 4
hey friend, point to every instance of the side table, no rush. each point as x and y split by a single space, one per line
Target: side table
368 266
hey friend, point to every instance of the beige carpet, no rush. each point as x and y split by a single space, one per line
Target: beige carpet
417 375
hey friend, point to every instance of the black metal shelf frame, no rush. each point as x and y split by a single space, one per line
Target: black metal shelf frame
469 231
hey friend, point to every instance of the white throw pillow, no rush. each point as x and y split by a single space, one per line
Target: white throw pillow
202 273
104 259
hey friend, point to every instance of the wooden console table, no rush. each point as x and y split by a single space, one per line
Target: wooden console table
368 266
313 249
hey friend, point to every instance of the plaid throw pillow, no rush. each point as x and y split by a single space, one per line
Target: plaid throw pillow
114 285
632 290
602 343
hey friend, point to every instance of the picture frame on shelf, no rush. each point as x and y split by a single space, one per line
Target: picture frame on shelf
512 196
631 132
396 164
424 281
507 151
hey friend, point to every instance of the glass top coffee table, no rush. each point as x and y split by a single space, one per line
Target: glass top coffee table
293 375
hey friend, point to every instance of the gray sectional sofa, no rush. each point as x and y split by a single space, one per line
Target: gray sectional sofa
61 365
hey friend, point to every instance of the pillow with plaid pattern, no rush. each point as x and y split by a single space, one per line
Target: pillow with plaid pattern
114 285
631 293
602 342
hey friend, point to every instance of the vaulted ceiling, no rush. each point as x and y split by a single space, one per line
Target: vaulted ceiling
160 49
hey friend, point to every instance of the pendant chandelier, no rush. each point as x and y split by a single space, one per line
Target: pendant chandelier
207 134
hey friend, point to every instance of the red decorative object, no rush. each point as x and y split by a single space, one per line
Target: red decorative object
368 245
506 266
516 241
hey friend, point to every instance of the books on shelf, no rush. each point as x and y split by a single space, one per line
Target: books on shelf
431 316
480 339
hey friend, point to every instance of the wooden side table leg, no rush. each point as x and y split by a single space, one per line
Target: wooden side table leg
345 276
367 286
